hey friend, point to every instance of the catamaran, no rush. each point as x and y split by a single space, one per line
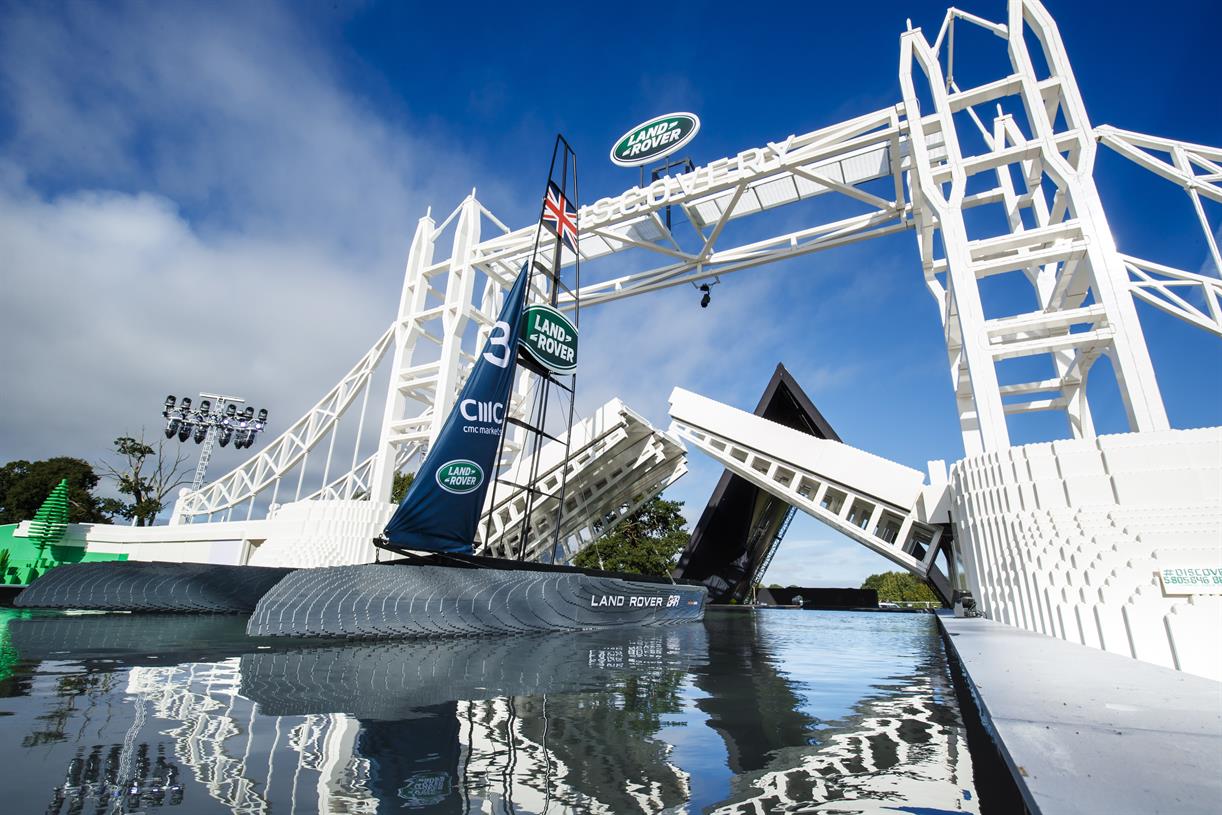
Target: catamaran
433 582
437 585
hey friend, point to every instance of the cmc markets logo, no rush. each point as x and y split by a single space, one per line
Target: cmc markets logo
658 137
459 476
550 338
484 417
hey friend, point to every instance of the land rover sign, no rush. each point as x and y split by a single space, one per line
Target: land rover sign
656 138
549 338
459 476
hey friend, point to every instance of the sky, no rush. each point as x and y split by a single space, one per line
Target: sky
220 196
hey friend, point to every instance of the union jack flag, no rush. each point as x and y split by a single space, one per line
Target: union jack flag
559 216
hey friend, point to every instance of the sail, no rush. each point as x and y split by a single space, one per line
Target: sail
441 511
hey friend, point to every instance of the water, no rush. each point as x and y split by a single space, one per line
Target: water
748 712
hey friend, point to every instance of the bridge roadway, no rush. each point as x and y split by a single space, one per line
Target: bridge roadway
882 505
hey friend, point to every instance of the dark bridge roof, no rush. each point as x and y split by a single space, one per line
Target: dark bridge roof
741 520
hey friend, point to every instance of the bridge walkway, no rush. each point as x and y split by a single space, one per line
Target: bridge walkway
882 505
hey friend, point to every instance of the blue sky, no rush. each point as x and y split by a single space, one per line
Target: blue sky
221 196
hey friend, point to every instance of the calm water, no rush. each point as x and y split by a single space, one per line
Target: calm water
748 712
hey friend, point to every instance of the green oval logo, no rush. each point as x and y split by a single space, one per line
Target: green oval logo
550 338
460 476
656 138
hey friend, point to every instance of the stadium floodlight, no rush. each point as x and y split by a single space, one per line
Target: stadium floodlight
172 417
208 426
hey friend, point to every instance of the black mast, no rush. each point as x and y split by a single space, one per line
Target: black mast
565 384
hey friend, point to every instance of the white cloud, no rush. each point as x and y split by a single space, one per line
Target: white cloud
113 300
236 113
190 198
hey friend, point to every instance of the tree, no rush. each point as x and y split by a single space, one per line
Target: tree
24 485
147 475
895 587
648 541
400 486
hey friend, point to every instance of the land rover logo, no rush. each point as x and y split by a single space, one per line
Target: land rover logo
658 137
549 338
460 476
425 789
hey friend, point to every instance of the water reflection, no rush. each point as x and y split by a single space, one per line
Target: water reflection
127 781
901 742
553 720
746 713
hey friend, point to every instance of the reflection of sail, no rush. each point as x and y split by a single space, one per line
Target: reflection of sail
414 764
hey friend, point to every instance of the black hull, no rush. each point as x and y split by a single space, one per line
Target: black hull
130 640
192 588
412 600
392 679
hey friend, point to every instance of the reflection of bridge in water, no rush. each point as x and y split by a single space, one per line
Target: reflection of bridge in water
900 747
902 742
569 723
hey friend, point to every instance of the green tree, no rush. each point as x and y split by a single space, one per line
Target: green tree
24 485
895 587
398 489
147 475
648 541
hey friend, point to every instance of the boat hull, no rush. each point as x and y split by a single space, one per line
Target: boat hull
124 585
412 600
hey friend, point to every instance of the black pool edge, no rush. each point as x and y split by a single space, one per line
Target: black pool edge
992 766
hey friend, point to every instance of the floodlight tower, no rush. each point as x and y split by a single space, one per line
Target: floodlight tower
208 426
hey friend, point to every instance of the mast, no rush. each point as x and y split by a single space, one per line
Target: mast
547 336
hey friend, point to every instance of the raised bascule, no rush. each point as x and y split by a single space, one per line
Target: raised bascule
1078 537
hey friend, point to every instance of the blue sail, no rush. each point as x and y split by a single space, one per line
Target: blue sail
441 511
